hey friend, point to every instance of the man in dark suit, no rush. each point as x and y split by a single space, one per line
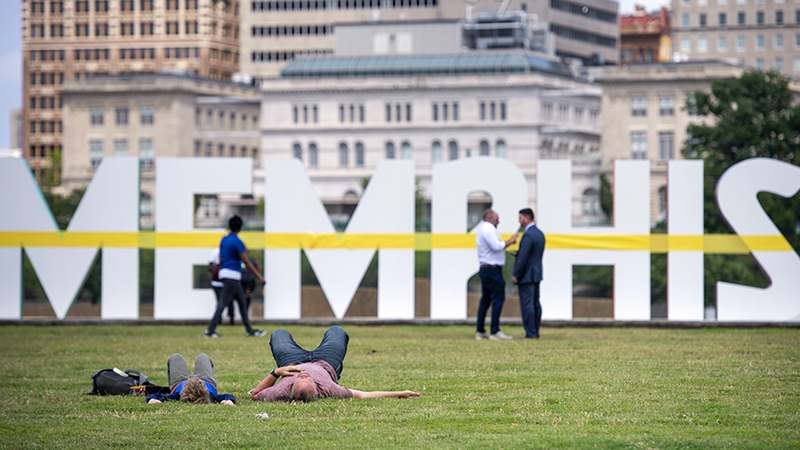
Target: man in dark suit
528 273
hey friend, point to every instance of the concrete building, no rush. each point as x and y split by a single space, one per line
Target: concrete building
159 115
644 115
764 34
645 37
342 115
275 32
65 41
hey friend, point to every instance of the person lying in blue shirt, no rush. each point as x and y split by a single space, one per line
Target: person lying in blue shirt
198 388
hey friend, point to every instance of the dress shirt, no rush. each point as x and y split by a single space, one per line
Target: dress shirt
490 245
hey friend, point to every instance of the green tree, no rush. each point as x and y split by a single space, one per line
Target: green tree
752 116
606 196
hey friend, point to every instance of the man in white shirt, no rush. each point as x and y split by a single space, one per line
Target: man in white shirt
492 258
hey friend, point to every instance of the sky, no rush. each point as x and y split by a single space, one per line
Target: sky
11 58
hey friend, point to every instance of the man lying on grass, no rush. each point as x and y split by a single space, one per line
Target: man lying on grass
308 375
200 388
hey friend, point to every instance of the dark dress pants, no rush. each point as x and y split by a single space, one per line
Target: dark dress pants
531 308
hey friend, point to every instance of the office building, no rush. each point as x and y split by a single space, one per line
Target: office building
66 40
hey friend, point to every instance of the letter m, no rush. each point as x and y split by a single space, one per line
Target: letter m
293 209
62 260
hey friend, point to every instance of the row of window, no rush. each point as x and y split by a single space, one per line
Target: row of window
146 151
82 6
312 5
45 126
741 19
666 106
558 148
311 155
211 149
47 78
42 151
561 115
45 102
583 36
171 28
400 112
293 30
741 43
285 56
121 115
225 120
666 145
582 10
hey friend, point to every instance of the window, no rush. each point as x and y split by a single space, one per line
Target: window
666 145
778 42
362 116
121 116
639 106
685 20
760 63
482 109
702 44
492 109
147 115
146 205
445 111
313 155
760 42
778 17
405 151
723 20
662 199
95 153
295 114
722 44
502 110
452 150
455 111
591 202
500 147
146 153
797 65
297 151
779 64
760 18
740 19
96 115
435 112
389 112
638 145
209 150
686 45
703 21
741 44
483 147
390 150
359 154
436 149
343 155
120 147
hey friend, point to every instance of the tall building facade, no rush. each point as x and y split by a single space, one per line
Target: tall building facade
275 32
645 37
159 115
645 115
66 40
763 34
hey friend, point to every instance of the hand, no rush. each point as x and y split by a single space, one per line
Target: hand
261 279
153 401
514 279
408 394
227 402
287 371
514 237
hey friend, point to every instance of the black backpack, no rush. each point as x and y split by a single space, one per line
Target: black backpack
113 382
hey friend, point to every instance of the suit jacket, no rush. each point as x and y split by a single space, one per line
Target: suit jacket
528 267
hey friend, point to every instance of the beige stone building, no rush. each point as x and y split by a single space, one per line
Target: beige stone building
644 115
152 116
764 34
69 40
274 32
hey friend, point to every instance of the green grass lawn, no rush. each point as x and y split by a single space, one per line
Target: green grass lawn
574 388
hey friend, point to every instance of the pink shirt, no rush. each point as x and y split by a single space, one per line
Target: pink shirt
323 374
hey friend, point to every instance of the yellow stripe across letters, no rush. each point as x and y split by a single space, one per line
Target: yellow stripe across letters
656 243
